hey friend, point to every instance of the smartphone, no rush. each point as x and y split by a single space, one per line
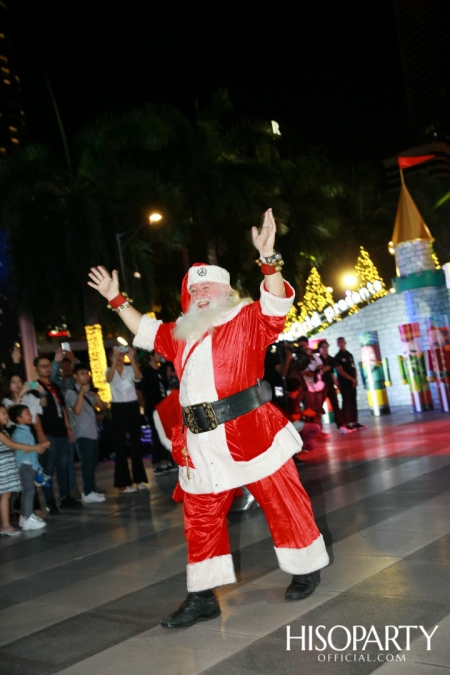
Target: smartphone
65 346
32 385
122 350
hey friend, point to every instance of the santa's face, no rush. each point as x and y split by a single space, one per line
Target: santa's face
205 292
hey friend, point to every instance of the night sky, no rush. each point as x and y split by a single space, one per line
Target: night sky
328 72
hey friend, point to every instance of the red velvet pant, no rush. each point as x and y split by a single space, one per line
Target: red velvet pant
298 543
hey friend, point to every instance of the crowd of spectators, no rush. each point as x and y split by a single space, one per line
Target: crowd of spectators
50 422
58 418
302 379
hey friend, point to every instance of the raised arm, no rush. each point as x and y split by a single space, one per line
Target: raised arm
12 445
264 242
108 286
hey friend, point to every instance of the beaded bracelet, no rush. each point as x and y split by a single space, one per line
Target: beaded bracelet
119 302
271 265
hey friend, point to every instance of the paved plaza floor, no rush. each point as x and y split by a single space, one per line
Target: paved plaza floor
86 597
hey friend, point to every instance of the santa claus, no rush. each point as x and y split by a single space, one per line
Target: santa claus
230 434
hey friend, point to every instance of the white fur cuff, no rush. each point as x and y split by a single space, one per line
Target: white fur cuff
303 560
146 333
210 573
167 443
272 305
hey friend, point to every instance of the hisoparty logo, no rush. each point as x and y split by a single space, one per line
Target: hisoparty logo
357 639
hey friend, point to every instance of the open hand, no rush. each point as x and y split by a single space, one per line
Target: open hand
59 355
264 241
103 282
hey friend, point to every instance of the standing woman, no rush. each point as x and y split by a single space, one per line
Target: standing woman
126 418
31 394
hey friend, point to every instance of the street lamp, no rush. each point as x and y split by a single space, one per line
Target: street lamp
349 280
153 218
119 235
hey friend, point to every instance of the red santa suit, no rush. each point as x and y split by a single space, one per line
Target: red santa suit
254 449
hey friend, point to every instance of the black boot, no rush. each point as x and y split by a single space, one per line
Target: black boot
302 585
196 607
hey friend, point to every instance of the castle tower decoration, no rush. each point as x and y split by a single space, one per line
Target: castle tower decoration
417 275
422 285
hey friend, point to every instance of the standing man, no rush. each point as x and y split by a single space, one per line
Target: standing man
231 434
154 390
81 402
330 381
62 369
53 425
62 375
348 382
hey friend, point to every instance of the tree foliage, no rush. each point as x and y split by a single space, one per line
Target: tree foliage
211 179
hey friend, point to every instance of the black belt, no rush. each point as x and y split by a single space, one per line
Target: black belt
207 416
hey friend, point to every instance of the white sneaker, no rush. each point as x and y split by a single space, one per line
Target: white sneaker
31 523
92 498
344 430
142 486
129 488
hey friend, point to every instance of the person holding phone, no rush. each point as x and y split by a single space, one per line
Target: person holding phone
54 426
126 418
31 394
62 374
81 402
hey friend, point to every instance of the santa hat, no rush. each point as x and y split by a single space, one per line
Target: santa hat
199 273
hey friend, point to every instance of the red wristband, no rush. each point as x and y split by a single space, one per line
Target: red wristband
267 270
117 301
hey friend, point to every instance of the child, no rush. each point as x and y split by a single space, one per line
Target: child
28 464
9 473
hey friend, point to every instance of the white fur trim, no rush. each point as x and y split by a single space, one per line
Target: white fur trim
210 573
215 469
218 471
272 305
146 333
167 443
198 275
303 560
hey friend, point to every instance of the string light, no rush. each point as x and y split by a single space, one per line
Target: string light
97 360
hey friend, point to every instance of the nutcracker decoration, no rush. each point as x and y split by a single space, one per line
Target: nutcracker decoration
438 357
413 368
373 373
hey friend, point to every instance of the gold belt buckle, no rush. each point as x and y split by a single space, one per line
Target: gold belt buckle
190 419
191 422
211 415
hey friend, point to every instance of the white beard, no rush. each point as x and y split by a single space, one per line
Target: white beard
196 322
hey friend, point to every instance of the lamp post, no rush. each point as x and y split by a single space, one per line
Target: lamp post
153 218
122 266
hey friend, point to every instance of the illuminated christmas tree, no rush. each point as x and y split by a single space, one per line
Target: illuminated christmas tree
316 296
368 273
435 259
292 317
